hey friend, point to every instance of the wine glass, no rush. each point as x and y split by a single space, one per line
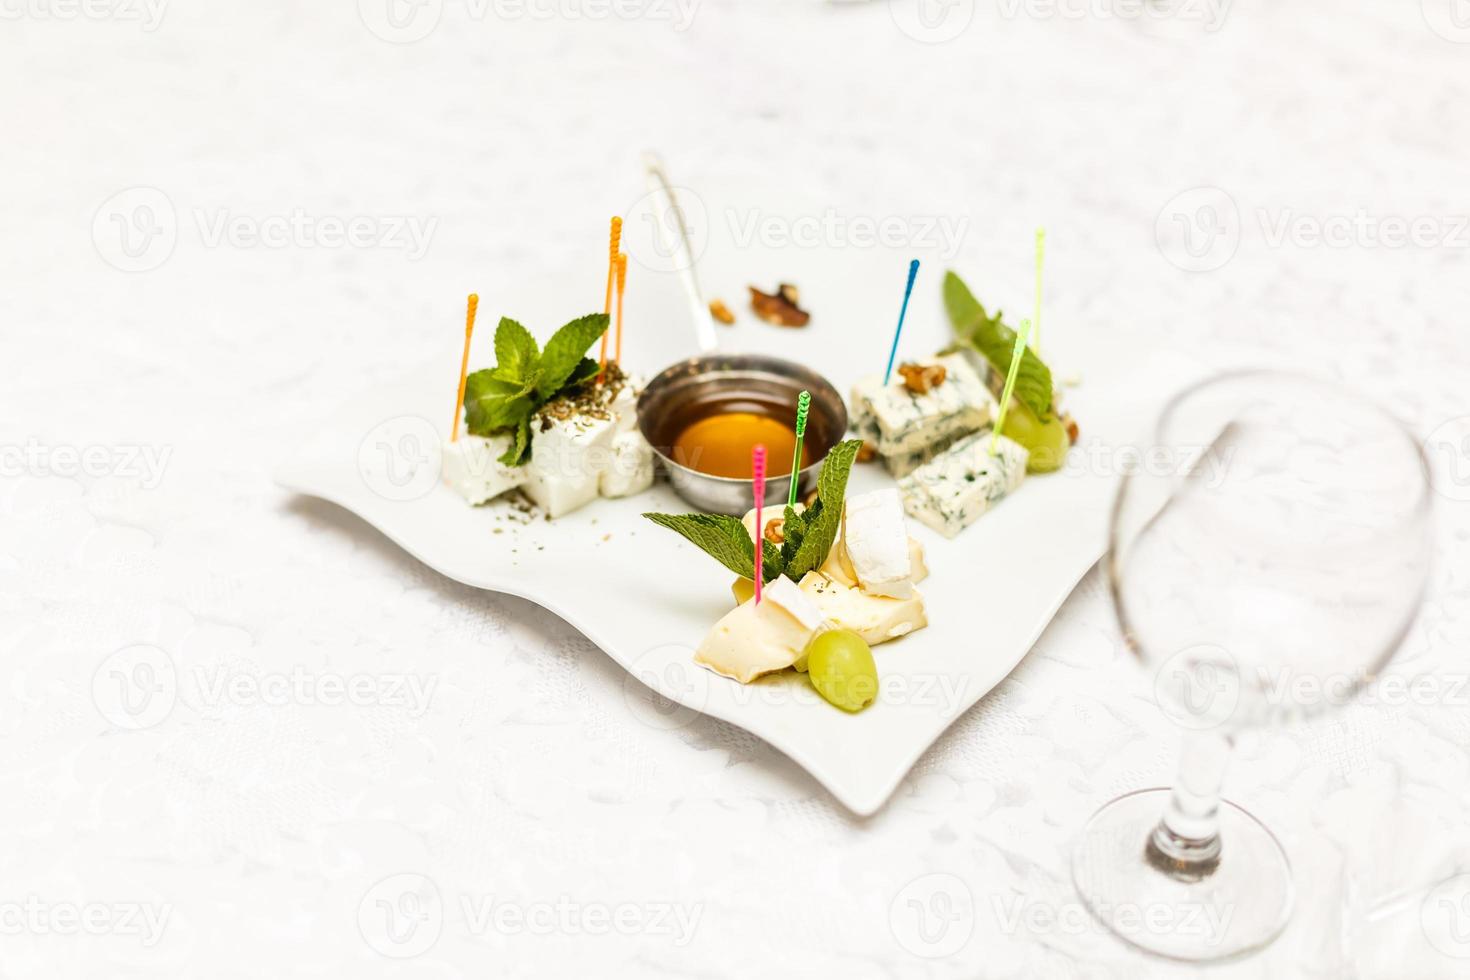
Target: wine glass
1269 550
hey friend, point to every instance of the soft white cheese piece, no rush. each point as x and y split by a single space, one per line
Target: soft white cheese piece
876 543
586 445
751 640
572 445
877 619
559 494
951 491
630 470
473 470
624 404
901 422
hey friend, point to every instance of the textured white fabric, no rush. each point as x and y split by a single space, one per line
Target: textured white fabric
270 828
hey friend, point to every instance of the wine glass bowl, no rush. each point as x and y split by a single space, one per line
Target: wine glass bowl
1267 556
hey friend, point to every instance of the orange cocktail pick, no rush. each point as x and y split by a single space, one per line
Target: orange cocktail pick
464 365
622 281
615 239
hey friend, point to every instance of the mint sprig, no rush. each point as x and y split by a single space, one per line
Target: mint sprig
809 536
502 399
996 343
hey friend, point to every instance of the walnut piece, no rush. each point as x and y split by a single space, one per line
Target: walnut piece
919 378
721 312
867 452
782 309
775 530
1072 431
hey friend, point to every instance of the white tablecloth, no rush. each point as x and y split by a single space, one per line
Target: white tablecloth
179 296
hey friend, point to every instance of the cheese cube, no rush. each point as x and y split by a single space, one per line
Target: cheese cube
751 640
623 405
951 491
559 494
876 543
567 443
630 470
472 468
902 422
877 619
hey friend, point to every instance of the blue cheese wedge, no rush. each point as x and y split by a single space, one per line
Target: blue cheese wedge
951 491
751 640
901 422
875 542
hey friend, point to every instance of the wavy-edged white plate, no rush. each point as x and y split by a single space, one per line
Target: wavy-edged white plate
647 597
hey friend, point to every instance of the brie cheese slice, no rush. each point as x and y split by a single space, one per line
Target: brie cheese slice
876 543
751 640
877 619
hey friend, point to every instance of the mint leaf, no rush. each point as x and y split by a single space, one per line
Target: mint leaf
563 353
721 537
825 516
515 455
585 369
492 403
793 531
961 305
515 350
996 342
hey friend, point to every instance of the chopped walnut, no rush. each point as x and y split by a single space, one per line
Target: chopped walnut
775 530
721 312
782 309
1072 431
867 452
919 378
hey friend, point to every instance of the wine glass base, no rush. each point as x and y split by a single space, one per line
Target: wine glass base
1235 909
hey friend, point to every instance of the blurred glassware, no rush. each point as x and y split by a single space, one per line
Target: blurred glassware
1269 551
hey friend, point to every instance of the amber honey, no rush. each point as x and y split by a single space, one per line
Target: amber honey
720 442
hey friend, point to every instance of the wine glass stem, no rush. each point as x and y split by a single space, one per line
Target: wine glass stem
1186 843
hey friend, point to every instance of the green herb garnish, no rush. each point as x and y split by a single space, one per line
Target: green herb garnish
502 399
996 342
809 536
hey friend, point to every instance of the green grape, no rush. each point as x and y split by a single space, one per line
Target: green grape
841 667
1046 441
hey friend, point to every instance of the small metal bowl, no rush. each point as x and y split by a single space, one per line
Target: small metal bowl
671 401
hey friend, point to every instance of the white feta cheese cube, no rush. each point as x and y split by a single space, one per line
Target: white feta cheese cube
876 542
570 443
951 491
630 469
624 404
472 468
559 493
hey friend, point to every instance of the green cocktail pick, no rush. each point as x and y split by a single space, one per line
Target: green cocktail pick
803 404
1005 395
1036 313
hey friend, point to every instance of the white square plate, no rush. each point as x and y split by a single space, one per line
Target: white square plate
647 597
